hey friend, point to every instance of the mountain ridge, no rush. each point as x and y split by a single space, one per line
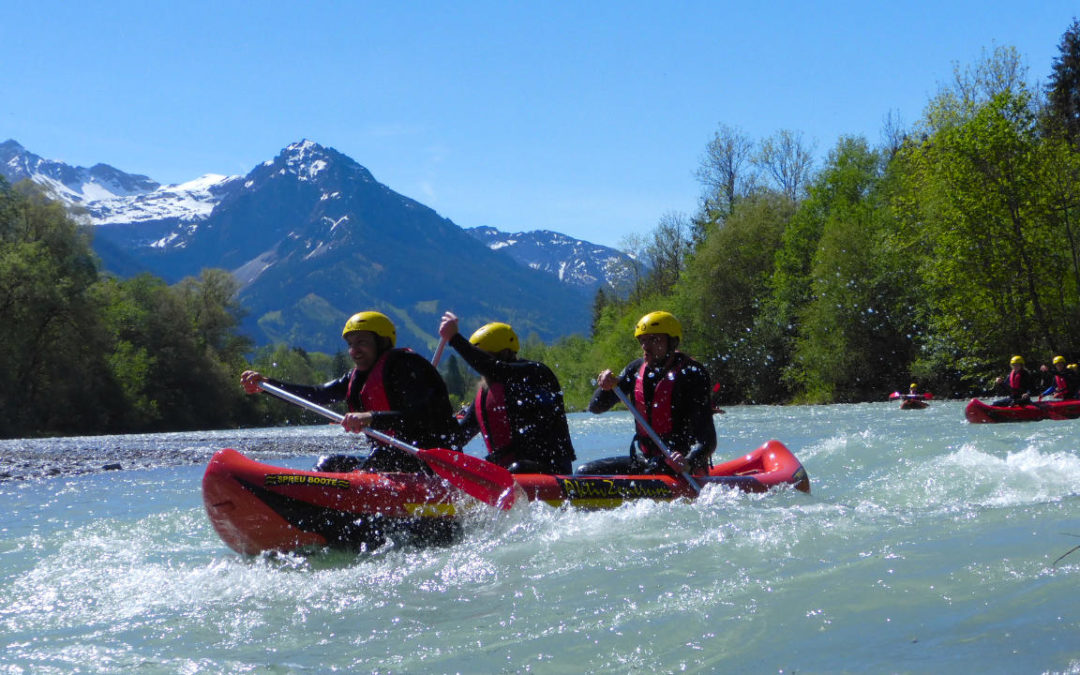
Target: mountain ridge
312 236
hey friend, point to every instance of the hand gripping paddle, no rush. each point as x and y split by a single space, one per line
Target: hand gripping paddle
490 483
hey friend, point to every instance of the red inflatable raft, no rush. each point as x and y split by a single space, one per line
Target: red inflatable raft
257 507
978 412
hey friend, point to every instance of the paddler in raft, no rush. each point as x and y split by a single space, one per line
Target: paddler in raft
391 389
671 390
519 407
1062 381
1016 386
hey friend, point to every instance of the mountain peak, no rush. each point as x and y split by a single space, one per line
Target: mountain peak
307 159
72 184
310 161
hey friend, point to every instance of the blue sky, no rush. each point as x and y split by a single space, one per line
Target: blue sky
589 118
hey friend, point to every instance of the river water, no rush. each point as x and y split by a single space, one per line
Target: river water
928 545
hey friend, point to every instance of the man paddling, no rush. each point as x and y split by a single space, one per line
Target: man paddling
1063 382
390 389
671 391
1017 385
519 406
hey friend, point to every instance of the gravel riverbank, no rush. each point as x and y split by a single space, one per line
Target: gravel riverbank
25 459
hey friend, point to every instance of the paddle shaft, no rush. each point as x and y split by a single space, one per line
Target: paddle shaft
438 352
490 483
652 434
337 417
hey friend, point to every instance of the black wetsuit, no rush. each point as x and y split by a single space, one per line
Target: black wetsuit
1018 392
419 410
537 437
1060 383
692 429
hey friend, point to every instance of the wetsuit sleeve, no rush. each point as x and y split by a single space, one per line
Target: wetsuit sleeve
1002 387
482 362
602 400
700 409
528 373
333 391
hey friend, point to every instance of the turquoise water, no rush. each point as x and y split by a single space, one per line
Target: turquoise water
927 545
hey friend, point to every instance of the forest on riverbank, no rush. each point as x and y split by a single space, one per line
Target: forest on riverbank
932 257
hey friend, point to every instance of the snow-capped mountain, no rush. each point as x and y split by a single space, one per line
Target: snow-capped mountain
188 202
111 196
312 237
75 185
572 261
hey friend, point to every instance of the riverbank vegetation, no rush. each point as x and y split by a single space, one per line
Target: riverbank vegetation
931 255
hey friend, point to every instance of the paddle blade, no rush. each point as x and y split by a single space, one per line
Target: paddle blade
490 483
895 394
928 395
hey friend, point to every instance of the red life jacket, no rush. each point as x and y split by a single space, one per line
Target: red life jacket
490 407
1061 385
659 414
373 394
1016 381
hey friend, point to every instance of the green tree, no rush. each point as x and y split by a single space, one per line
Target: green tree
993 203
600 300
1063 88
719 296
52 374
847 336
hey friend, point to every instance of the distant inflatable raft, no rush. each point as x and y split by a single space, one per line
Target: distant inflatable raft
256 507
978 412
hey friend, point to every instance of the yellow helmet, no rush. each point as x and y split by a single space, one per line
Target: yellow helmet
495 337
913 386
1072 366
658 323
1015 360
376 322
1059 359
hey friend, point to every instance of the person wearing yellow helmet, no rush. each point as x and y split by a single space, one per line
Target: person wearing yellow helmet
1059 381
1016 387
671 391
394 390
518 408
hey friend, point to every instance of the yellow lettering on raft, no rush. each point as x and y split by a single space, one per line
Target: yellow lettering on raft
304 479
614 489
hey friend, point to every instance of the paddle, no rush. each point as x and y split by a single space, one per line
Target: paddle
490 483
897 394
652 434
438 352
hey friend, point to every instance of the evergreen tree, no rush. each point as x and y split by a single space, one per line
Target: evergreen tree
600 301
1063 89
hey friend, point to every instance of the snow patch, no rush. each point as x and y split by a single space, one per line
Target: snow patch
186 202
